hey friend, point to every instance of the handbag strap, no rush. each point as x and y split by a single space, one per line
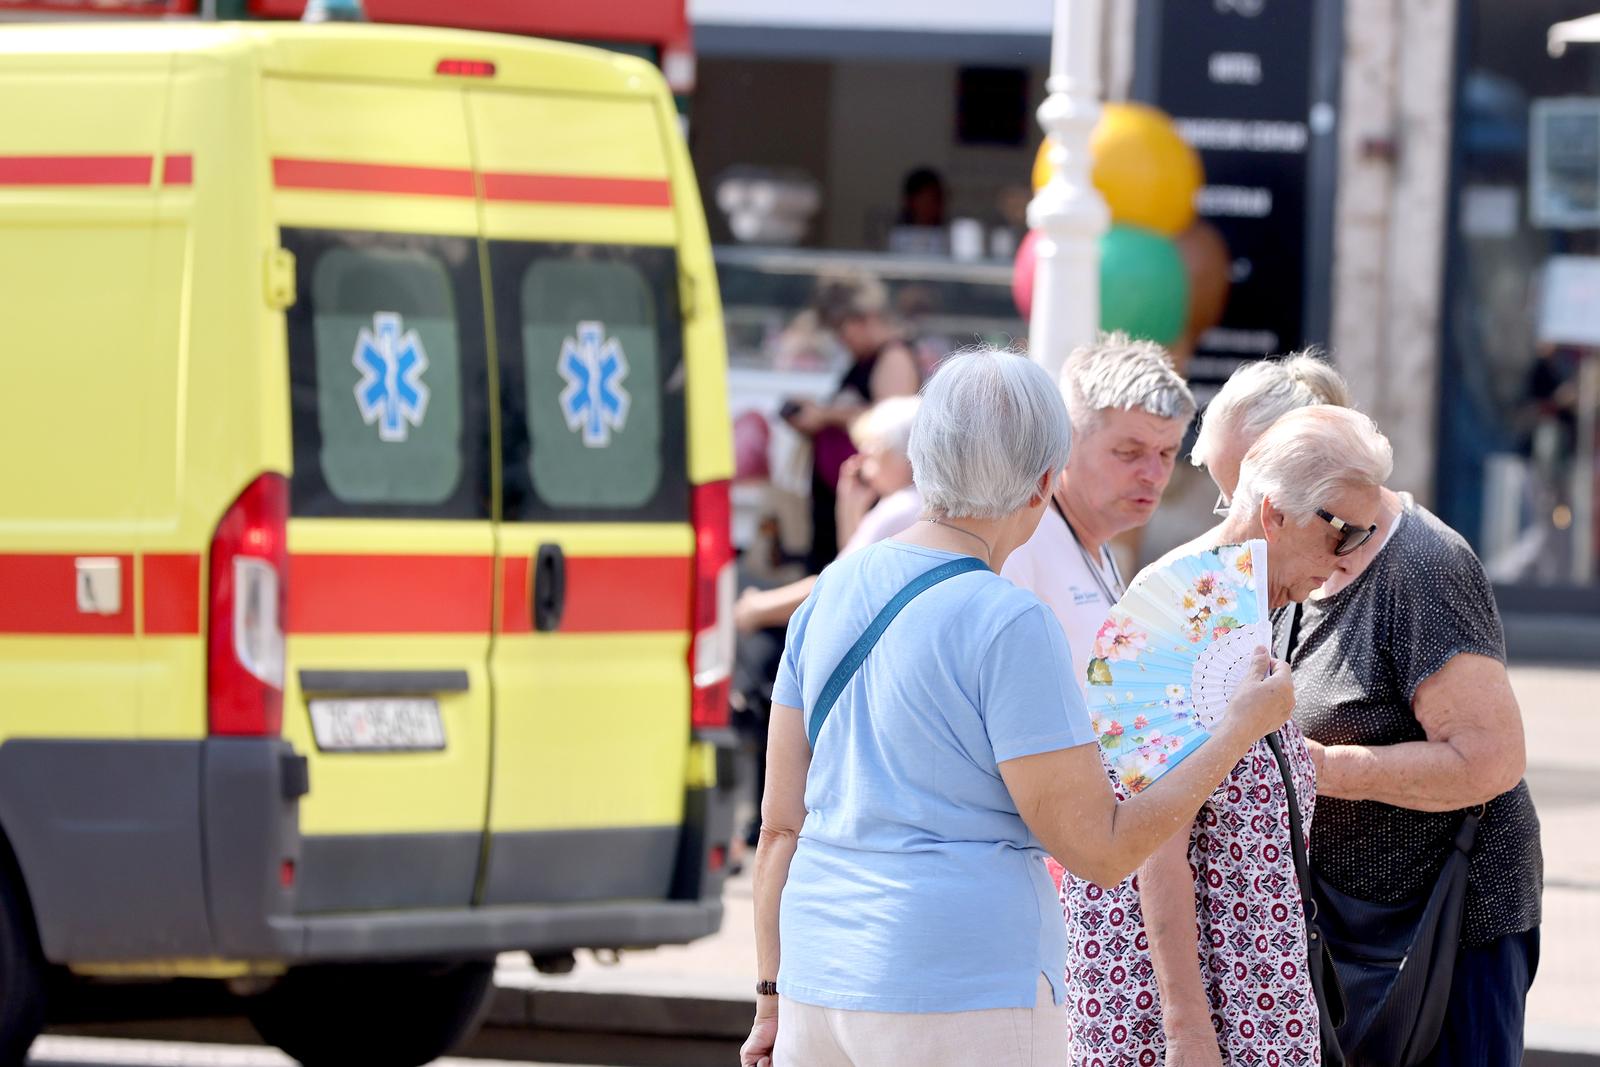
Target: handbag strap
858 652
1297 837
1466 832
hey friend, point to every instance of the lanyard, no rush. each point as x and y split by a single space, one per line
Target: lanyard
1113 590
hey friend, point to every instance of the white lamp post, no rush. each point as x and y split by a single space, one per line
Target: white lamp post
1068 209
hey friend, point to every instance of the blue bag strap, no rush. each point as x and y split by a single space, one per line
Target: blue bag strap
858 652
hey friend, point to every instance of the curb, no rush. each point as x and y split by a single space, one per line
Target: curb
722 1019
642 1014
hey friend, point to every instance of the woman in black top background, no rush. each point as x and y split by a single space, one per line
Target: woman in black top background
1402 689
882 365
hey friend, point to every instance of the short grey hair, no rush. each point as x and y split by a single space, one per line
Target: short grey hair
887 424
990 425
1118 371
1257 394
1309 455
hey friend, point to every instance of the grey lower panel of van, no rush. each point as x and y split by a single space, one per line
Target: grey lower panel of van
107 836
464 933
145 850
380 871
383 871
567 866
151 849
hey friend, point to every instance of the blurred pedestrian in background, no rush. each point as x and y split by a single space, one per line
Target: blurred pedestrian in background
881 366
877 499
921 763
1252 399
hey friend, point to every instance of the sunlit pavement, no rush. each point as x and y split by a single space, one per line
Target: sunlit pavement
56 1051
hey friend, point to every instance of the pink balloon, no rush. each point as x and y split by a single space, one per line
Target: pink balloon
1022 273
751 437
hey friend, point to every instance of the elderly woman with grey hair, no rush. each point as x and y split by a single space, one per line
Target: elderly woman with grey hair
920 765
1399 663
1202 960
1252 399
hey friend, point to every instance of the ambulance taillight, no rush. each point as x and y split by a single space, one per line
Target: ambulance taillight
245 646
711 655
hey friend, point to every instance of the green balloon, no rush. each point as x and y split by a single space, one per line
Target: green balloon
1144 288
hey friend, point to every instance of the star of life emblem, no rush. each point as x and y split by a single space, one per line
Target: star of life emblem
594 401
391 361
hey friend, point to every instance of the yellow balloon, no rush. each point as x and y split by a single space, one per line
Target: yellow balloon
1145 171
1041 165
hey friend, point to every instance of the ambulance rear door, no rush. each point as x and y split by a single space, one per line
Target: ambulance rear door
390 599
590 657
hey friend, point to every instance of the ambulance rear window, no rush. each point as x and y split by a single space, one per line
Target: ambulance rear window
591 356
384 417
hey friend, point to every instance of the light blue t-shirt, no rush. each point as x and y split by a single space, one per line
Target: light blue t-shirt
915 886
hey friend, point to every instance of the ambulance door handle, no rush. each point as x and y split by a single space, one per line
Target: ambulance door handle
549 588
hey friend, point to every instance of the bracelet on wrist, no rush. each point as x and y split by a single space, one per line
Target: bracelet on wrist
766 988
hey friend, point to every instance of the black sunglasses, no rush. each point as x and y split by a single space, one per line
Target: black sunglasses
1350 537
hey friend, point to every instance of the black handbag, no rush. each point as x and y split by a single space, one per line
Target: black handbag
1391 964
1396 962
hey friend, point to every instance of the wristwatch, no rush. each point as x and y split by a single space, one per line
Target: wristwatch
767 989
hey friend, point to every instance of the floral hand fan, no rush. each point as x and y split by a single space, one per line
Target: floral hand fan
1171 654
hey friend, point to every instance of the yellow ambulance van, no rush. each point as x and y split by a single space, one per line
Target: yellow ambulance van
365 570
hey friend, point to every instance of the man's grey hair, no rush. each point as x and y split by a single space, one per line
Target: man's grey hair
886 424
1257 394
1119 372
1307 457
990 425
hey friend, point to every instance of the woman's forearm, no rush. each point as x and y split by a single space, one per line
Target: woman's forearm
1420 775
1141 823
774 852
1167 898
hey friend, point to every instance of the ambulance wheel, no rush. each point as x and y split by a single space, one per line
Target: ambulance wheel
377 1015
22 974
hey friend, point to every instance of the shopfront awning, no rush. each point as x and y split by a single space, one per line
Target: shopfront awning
998 31
1574 31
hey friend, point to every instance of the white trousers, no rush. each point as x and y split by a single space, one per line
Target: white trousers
809 1036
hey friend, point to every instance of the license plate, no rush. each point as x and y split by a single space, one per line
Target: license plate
392 725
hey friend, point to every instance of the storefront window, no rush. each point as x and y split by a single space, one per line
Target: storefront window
1522 338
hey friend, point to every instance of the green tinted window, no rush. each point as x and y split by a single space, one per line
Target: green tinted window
388 377
589 342
387 372
592 383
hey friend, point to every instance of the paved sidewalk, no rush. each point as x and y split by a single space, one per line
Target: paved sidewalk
706 986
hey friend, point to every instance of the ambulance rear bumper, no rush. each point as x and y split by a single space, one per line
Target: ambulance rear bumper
467 933
187 850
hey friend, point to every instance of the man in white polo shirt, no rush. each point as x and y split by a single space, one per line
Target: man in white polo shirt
1129 411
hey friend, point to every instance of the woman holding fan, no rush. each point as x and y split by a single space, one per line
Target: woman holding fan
1201 959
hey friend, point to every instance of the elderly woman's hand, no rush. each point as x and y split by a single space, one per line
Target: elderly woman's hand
757 1048
1264 699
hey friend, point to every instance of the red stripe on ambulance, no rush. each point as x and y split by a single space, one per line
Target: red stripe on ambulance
76 170
371 178
606 594
171 594
577 189
39 595
390 594
499 186
177 170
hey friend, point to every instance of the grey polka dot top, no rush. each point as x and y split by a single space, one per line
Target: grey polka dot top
1360 658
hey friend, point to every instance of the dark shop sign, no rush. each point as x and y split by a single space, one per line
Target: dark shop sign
1251 85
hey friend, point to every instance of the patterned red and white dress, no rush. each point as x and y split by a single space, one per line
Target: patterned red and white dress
1252 937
